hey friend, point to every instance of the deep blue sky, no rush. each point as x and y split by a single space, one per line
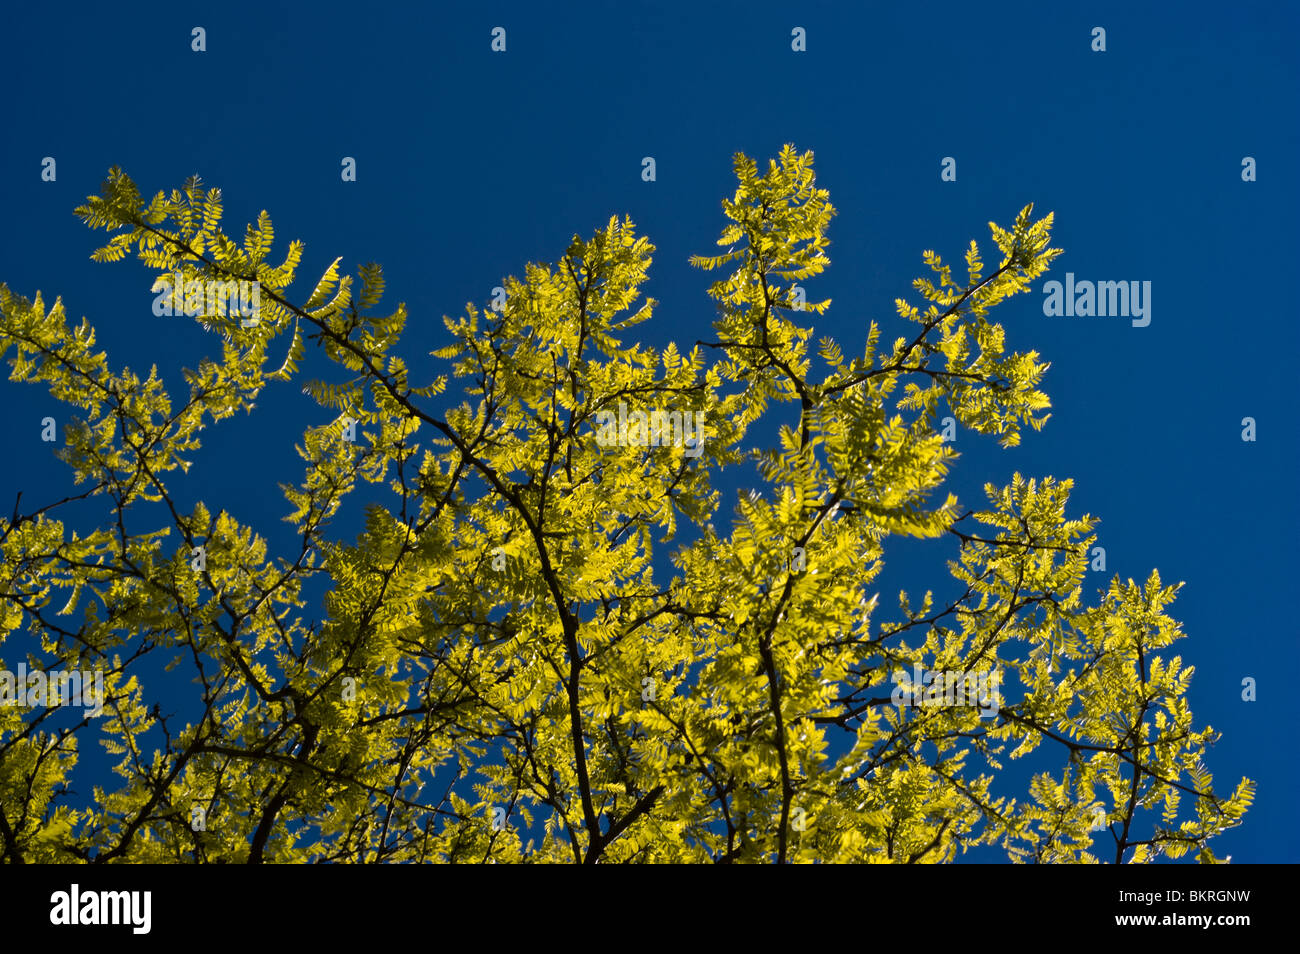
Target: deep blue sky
472 163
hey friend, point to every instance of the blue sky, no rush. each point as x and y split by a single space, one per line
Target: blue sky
471 163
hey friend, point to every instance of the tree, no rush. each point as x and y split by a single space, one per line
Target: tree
509 666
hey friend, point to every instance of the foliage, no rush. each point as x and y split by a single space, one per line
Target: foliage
503 642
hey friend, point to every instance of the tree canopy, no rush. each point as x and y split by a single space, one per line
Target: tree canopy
547 644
